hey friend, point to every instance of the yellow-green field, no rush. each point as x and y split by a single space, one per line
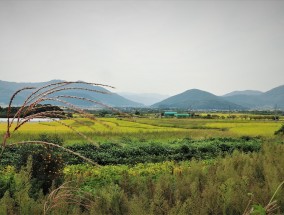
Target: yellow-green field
231 127
105 129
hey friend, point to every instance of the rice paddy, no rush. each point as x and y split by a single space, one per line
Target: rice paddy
161 129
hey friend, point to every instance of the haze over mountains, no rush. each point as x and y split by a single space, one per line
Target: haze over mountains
144 98
193 99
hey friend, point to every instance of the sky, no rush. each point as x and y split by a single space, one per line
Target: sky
144 46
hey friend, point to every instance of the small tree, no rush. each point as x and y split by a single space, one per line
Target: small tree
47 163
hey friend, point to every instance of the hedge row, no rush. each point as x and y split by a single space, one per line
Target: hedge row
110 153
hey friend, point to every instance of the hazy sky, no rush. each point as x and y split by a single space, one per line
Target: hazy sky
145 46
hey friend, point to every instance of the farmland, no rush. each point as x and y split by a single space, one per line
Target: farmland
147 165
105 129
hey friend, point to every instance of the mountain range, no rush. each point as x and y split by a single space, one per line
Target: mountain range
197 100
237 100
244 92
112 99
193 99
273 98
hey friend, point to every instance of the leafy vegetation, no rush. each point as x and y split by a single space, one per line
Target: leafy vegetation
132 152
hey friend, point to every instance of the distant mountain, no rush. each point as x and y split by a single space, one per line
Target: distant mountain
248 101
191 99
266 100
111 99
197 100
144 98
244 92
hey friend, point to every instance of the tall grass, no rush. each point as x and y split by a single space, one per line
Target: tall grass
28 111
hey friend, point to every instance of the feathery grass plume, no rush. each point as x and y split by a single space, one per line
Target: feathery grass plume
30 106
66 195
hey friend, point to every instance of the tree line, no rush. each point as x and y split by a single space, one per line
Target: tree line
58 112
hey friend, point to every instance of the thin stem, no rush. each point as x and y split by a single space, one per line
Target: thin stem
56 146
10 104
280 185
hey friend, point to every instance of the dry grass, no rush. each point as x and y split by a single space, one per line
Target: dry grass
66 195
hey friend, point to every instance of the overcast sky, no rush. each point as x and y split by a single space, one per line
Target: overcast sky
145 46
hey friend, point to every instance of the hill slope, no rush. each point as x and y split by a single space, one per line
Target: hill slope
112 99
197 100
244 92
267 100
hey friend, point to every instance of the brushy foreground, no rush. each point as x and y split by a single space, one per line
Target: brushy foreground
221 186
